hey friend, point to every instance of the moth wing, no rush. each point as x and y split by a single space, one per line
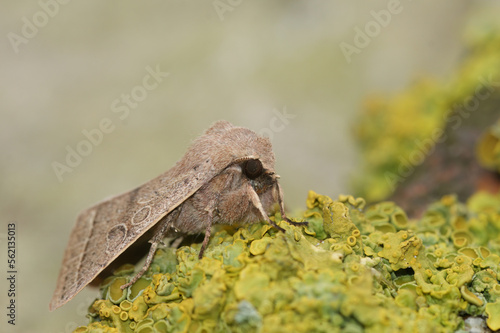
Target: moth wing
104 231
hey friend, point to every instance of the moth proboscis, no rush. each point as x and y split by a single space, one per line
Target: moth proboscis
226 176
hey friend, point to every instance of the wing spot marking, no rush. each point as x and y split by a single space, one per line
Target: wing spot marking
115 237
141 215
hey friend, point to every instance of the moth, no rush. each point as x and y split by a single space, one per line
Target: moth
226 176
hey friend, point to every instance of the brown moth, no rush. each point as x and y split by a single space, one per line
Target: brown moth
226 176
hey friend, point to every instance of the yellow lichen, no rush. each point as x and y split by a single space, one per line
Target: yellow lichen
488 150
339 271
493 312
470 297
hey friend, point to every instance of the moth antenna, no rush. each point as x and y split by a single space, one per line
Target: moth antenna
282 208
274 224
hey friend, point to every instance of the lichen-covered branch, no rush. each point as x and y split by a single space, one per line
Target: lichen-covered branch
352 269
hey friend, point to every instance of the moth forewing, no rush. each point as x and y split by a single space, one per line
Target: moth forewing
100 235
106 230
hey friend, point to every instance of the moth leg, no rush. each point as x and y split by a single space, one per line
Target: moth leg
282 208
157 239
144 268
255 200
208 230
210 208
175 244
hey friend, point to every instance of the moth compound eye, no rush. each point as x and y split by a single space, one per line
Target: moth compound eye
252 169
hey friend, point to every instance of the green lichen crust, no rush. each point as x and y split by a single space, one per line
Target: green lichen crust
350 270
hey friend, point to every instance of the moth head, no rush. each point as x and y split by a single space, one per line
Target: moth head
261 178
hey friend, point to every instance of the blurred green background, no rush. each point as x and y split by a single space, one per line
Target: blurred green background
65 67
